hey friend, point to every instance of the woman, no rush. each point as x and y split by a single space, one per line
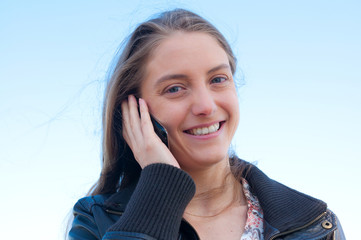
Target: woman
178 69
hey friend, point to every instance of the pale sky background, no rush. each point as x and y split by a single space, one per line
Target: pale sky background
300 102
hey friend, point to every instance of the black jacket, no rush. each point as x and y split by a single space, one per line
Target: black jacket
153 209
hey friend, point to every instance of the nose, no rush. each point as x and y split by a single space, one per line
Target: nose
203 102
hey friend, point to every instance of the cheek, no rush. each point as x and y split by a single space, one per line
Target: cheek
169 115
237 117
233 107
236 108
173 120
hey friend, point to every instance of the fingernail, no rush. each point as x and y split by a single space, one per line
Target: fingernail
131 97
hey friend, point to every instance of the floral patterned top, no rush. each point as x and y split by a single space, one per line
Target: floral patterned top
254 225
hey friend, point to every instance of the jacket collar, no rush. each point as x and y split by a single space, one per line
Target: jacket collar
119 200
283 208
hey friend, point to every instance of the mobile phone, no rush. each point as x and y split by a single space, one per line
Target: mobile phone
160 131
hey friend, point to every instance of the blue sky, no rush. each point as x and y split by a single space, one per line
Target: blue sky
299 62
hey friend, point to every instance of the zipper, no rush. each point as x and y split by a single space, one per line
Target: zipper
114 212
299 228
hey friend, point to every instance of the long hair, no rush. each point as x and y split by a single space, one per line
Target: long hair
119 168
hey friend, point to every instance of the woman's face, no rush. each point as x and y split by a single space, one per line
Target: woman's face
189 88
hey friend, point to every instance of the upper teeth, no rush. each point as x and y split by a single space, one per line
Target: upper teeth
205 130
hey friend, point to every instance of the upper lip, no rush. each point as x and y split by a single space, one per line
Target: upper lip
203 125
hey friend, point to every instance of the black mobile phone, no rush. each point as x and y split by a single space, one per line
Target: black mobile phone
160 131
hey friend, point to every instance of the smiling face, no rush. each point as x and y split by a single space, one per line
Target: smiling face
189 88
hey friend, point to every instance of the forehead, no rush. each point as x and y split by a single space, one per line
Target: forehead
179 44
185 53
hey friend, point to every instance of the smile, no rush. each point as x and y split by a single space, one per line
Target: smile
204 130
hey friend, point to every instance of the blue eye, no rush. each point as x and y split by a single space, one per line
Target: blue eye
218 79
174 89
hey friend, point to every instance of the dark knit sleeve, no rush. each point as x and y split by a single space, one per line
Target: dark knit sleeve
158 202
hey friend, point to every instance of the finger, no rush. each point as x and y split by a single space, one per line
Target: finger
145 119
131 123
134 118
125 121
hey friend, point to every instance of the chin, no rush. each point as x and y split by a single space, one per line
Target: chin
205 160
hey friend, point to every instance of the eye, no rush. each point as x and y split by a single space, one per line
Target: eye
218 80
173 89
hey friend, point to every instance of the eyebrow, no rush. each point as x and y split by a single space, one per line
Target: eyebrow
221 66
183 76
171 76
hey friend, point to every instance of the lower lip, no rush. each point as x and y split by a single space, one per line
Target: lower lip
208 136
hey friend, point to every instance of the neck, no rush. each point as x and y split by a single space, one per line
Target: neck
216 190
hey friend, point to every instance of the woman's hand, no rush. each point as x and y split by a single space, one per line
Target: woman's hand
139 134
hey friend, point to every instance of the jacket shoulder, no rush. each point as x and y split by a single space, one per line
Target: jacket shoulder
326 226
87 203
338 233
84 225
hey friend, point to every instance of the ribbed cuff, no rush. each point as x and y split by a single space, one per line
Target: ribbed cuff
158 202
